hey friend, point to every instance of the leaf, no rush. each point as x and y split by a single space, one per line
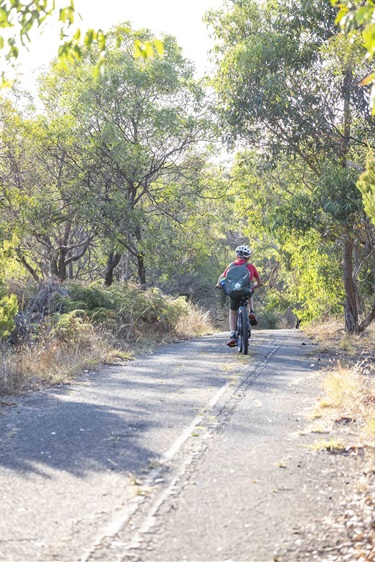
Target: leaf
148 50
367 79
341 14
159 46
137 48
364 14
369 38
77 35
89 37
66 15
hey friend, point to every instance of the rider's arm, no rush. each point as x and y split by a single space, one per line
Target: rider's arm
222 276
258 282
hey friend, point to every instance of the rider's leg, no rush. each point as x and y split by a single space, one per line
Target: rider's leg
232 320
252 317
233 308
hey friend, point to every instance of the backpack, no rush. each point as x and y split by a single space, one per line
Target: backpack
237 282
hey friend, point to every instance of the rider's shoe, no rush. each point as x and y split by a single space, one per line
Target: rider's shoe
232 342
253 318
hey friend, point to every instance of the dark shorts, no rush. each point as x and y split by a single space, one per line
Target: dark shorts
234 304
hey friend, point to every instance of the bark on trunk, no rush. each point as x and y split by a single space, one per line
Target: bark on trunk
62 264
141 271
351 310
357 264
112 262
140 261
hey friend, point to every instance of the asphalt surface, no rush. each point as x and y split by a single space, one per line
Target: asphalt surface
193 452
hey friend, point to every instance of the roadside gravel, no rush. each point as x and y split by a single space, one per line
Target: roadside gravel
347 532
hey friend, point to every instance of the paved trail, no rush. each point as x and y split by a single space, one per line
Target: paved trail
192 453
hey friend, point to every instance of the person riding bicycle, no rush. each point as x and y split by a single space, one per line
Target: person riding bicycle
243 254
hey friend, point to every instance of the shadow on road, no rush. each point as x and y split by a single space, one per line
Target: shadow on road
111 420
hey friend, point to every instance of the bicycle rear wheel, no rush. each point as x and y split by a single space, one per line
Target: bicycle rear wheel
243 330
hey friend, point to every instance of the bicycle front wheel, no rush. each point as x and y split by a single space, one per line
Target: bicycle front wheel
243 326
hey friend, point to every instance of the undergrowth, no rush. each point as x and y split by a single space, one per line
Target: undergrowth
348 388
81 326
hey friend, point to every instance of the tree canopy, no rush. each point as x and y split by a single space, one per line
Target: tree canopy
20 20
287 83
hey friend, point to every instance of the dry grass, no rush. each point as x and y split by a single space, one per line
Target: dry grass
51 360
332 445
351 396
349 387
332 336
194 323
64 349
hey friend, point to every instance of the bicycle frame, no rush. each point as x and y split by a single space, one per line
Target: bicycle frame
243 326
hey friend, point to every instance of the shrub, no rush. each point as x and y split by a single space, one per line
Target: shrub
8 311
78 326
129 313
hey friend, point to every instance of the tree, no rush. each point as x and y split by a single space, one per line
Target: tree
19 19
287 83
354 15
39 175
142 132
359 15
366 184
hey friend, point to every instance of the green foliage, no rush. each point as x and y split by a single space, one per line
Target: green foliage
8 302
126 310
91 298
314 277
19 19
269 318
366 185
68 326
8 311
287 83
140 131
359 15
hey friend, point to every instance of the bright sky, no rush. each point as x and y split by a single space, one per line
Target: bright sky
181 18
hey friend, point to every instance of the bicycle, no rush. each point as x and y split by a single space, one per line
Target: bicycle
243 326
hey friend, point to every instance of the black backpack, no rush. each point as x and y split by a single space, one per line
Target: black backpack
237 282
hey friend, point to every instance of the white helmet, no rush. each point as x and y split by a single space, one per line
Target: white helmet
243 252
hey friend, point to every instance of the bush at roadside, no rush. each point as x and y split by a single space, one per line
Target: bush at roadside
63 330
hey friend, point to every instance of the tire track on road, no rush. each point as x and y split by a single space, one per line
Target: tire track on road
125 534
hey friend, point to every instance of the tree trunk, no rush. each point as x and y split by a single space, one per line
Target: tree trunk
140 261
54 269
62 264
112 262
351 310
351 290
357 269
141 271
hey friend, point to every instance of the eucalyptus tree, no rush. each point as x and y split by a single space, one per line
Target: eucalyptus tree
39 176
142 129
354 16
19 20
287 83
283 204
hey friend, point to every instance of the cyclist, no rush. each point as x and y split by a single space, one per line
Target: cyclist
243 254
